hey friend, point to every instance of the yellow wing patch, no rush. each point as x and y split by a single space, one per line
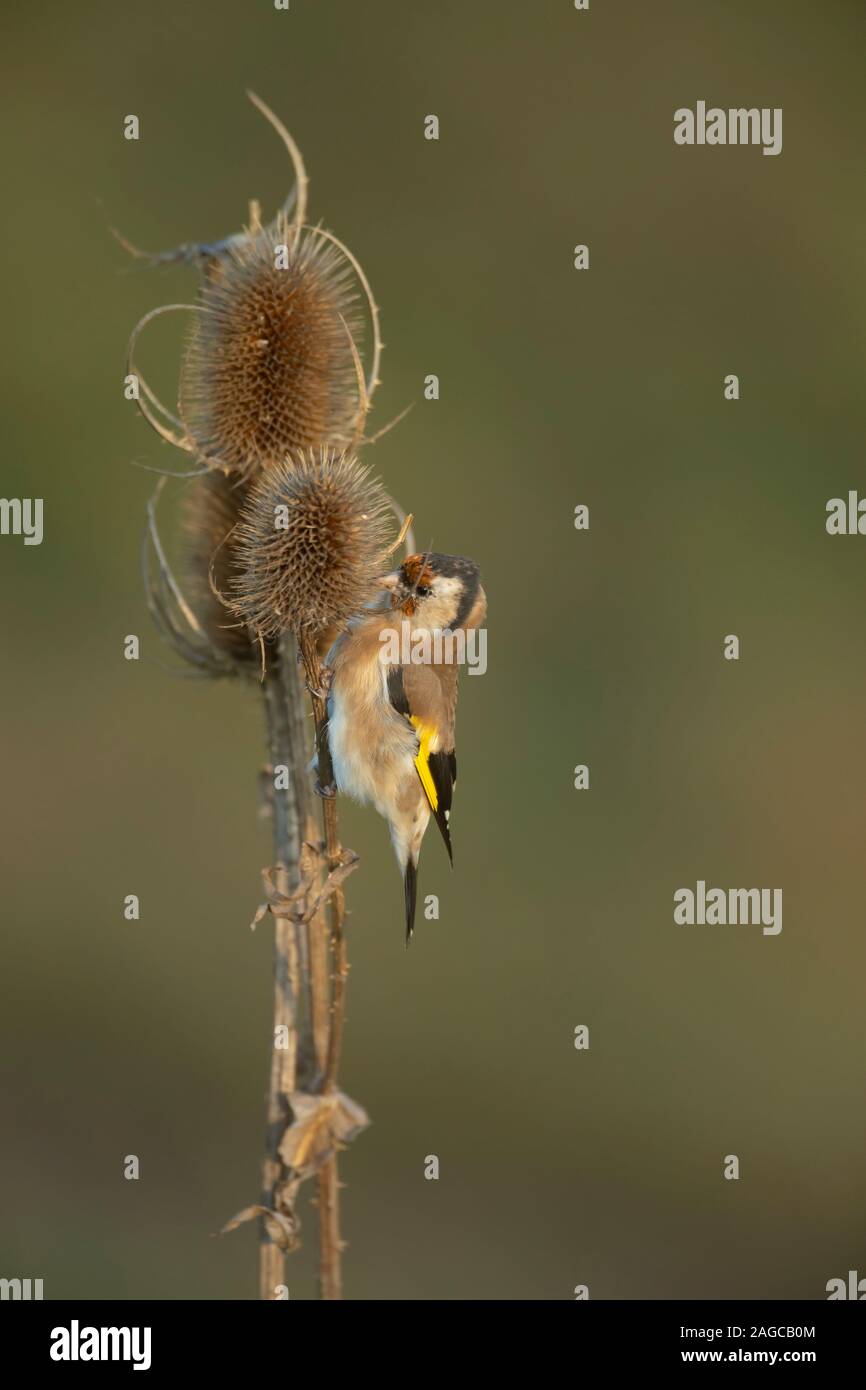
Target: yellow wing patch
426 735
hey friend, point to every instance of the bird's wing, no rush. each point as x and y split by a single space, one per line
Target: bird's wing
426 695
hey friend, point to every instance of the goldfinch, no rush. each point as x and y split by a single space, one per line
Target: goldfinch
392 700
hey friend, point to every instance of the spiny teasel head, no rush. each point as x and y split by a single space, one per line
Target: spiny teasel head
212 508
310 546
269 368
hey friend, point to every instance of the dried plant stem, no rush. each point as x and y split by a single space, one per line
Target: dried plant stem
330 1243
284 749
309 1064
320 973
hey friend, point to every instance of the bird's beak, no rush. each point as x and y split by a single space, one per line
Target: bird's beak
390 581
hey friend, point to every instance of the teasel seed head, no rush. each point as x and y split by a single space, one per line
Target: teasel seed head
312 541
269 368
212 508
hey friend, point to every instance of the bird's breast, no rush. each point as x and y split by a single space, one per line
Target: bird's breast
372 747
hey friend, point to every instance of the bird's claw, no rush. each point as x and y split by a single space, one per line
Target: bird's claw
326 676
327 791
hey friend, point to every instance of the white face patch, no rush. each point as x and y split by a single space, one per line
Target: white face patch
446 585
441 605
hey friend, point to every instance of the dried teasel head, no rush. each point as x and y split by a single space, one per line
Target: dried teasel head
271 366
310 546
212 508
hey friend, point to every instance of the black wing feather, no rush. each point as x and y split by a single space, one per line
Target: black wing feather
442 765
397 691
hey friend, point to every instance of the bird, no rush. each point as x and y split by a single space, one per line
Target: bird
392 701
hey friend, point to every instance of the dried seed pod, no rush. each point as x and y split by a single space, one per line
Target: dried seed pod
311 543
213 507
269 368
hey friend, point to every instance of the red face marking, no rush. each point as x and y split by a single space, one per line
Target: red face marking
415 574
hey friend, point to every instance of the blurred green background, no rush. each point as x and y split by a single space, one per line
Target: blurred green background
707 517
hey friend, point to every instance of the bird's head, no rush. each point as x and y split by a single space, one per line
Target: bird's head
435 591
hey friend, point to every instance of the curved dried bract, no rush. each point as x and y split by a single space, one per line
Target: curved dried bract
146 397
406 534
174 617
386 429
298 196
310 545
158 405
170 472
269 369
360 420
373 377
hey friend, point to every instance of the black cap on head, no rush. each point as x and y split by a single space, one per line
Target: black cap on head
421 569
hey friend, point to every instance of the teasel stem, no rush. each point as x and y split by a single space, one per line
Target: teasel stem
333 850
312 1046
285 748
320 973
330 1243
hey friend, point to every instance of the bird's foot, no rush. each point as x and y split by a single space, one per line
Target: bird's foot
326 676
327 790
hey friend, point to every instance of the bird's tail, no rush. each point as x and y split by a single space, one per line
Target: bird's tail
410 887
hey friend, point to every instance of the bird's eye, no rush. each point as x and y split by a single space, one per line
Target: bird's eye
422 591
